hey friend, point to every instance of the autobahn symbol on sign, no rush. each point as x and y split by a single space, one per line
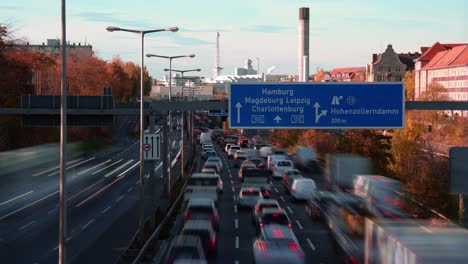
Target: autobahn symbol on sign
151 147
316 105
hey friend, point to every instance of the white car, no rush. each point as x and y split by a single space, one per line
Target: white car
213 172
249 196
280 166
216 159
232 150
226 148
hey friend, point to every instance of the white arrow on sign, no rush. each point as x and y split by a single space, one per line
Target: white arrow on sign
317 115
277 119
238 106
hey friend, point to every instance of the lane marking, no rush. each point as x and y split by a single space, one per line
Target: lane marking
85 189
98 192
119 198
130 169
235 209
310 244
94 167
26 225
232 187
54 168
106 209
232 182
130 189
289 209
72 166
52 211
282 199
16 198
236 222
90 222
157 167
237 241
276 190
234 197
107 166
236 262
28 205
299 224
118 168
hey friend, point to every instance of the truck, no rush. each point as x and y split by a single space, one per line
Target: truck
382 192
341 169
415 242
306 159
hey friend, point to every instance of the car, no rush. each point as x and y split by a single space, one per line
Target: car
232 150
288 178
271 159
280 166
217 160
248 197
213 172
183 248
316 206
302 189
244 166
202 209
291 173
278 151
277 244
204 230
212 165
207 145
257 161
208 153
203 185
265 151
270 216
239 157
264 203
227 147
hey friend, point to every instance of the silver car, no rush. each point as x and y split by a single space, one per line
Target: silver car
249 196
277 244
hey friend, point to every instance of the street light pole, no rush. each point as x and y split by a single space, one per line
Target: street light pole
141 185
63 142
169 151
182 157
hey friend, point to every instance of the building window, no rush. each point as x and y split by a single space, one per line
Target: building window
389 69
380 69
398 69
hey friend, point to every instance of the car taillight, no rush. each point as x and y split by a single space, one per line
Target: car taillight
293 246
257 209
289 225
262 246
276 168
353 260
266 192
187 216
261 224
221 181
213 216
213 241
188 190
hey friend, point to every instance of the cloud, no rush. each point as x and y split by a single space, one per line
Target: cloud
265 28
202 30
12 8
112 18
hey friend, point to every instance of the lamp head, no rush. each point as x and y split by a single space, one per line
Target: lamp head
173 29
111 28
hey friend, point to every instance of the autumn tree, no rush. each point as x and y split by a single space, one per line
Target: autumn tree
319 75
409 84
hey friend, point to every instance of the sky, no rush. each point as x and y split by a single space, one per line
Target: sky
343 33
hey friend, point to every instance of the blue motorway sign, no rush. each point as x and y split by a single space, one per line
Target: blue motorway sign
316 105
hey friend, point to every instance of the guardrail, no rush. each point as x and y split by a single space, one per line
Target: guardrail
150 242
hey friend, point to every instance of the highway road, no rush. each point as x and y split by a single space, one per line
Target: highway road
103 198
237 232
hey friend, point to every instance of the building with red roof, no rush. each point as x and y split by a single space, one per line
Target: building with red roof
350 74
447 65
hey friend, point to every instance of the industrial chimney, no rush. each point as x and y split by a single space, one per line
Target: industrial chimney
303 44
